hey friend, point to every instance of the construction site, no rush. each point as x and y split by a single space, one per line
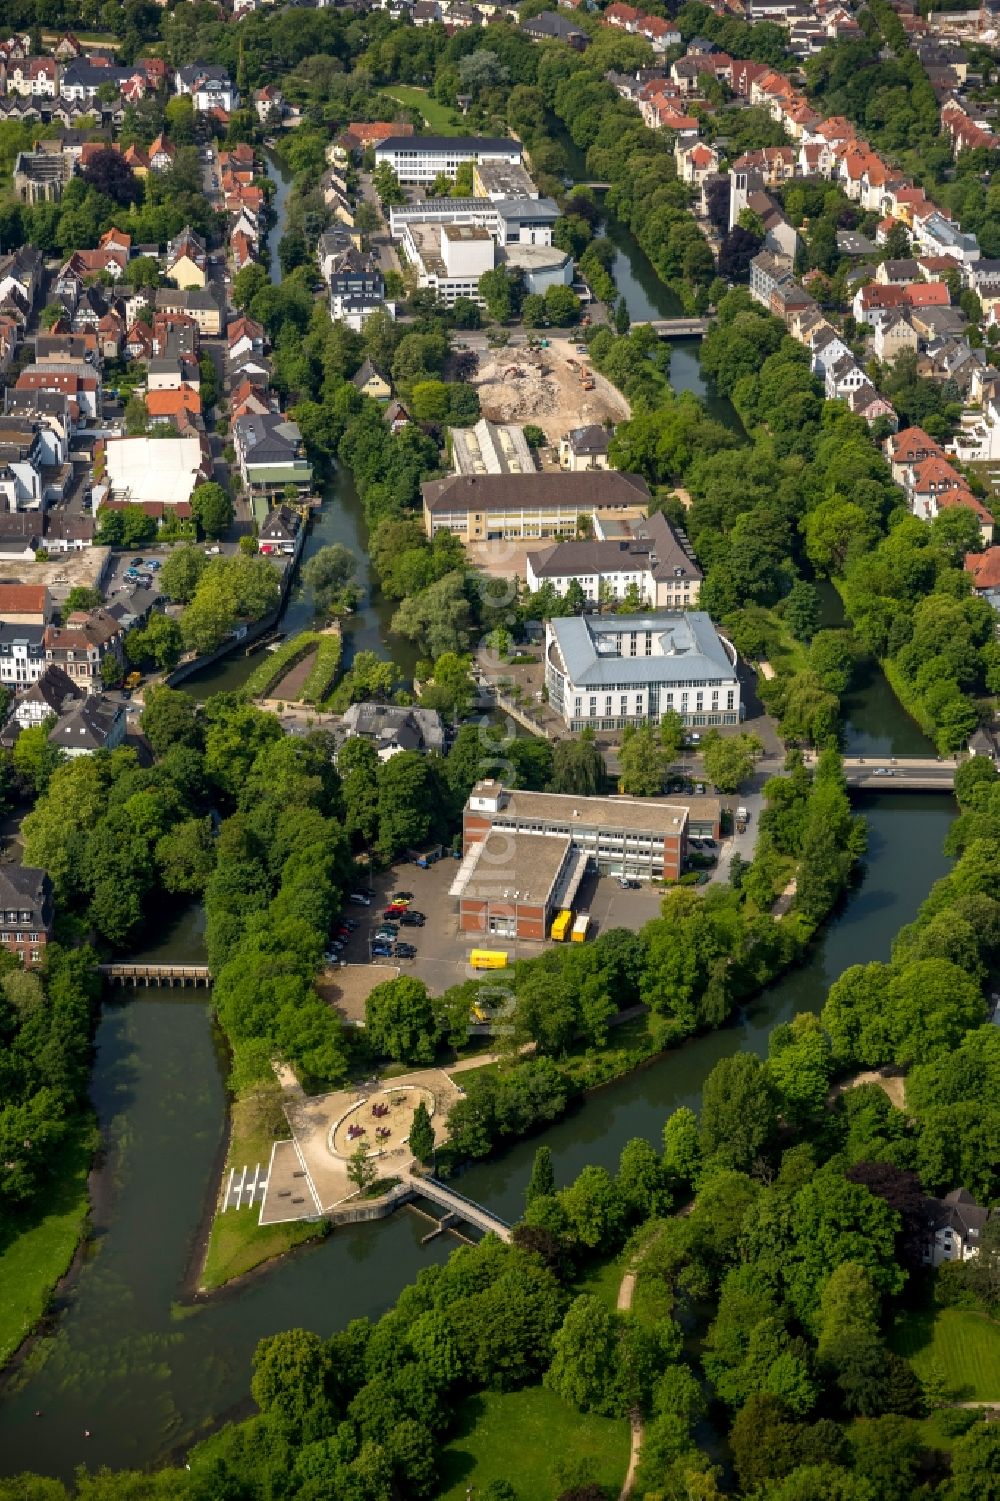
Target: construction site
556 388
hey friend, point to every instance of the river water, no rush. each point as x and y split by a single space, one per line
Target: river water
144 1370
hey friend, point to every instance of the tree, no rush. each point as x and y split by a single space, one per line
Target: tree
112 670
584 1369
179 576
542 1182
730 760
170 718
212 508
641 762
329 574
562 306
422 1134
160 642
681 1149
34 758
801 610
80 597
577 767
291 1374
361 1170
399 1020
248 283
496 288
111 175
738 1115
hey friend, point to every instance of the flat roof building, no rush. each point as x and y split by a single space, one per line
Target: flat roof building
525 854
490 448
603 673
419 159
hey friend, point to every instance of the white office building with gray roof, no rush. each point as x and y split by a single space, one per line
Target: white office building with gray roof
605 672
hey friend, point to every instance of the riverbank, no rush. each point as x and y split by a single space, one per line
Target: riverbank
39 1259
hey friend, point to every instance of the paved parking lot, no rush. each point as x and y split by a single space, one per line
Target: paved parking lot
442 958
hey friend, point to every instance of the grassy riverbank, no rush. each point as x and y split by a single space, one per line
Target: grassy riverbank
36 1253
237 1242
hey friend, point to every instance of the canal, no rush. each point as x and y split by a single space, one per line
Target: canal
130 1360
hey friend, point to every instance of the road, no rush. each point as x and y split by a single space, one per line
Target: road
379 242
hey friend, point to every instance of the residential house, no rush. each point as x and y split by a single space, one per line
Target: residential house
163 407
94 723
396 417
696 162
186 260
26 912
392 728
199 304
371 382
279 531
50 694
244 336
80 646
162 155
357 288
894 334
585 448
984 570
957 1224
209 86
552 26
270 454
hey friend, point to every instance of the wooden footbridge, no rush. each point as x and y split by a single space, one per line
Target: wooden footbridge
156 974
458 1206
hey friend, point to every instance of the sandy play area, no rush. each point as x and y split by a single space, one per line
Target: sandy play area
381 1120
543 386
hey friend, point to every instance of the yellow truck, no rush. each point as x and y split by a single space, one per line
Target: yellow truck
581 927
488 959
560 925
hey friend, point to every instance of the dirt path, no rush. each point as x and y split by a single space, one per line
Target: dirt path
894 1086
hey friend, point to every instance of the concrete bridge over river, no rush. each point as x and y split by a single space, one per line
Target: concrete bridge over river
676 328
899 773
458 1205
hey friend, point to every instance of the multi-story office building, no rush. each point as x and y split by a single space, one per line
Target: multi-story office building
605 672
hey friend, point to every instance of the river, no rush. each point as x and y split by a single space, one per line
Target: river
146 1372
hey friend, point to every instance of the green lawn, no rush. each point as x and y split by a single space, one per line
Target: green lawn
965 1344
522 1437
440 119
35 1253
602 1281
236 1242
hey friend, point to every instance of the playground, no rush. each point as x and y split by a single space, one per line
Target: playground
381 1120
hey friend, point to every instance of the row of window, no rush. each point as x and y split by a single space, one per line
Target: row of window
620 724
668 703
20 937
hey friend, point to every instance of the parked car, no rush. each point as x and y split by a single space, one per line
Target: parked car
381 951
155 564
402 897
627 884
350 923
412 919
394 910
405 951
136 563
359 899
387 930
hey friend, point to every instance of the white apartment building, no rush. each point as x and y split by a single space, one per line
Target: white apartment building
611 671
646 556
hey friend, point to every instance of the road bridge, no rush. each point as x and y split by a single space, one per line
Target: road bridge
458 1205
676 328
899 773
156 974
